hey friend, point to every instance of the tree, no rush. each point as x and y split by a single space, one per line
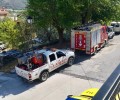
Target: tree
98 10
25 35
9 33
58 13
108 9
64 14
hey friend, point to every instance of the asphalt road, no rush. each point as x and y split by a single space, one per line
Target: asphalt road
99 66
87 72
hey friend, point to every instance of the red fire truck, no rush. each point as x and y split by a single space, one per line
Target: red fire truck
89 38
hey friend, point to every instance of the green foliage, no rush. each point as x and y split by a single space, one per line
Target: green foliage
9 33
64 14
26 30
16 34
58 13
98 10
106 10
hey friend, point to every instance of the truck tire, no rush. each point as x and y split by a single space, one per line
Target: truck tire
44 76
70 61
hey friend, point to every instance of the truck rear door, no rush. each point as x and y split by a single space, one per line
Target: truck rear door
29 75
80 40
22 73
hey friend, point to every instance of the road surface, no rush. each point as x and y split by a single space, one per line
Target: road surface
87 72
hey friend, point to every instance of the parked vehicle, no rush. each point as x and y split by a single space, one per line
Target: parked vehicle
8 56
116 26
86 95
110 32
30 66
13 53
5 59
89 38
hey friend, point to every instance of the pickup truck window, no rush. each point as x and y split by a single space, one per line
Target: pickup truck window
52 57
60 54
117 25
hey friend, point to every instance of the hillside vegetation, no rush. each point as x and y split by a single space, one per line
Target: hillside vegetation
13 4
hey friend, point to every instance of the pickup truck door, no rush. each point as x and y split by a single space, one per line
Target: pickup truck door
52 62
61 58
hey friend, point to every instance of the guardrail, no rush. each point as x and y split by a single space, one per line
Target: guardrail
110 90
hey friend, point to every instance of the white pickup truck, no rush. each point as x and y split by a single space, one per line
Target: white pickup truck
53 59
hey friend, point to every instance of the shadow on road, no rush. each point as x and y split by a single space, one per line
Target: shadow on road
81 56
13 84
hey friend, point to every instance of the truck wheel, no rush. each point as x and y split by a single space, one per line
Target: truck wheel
70 61
44 76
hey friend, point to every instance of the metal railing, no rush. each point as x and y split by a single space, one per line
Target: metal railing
110 88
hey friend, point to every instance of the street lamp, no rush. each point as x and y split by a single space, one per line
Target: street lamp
30 20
